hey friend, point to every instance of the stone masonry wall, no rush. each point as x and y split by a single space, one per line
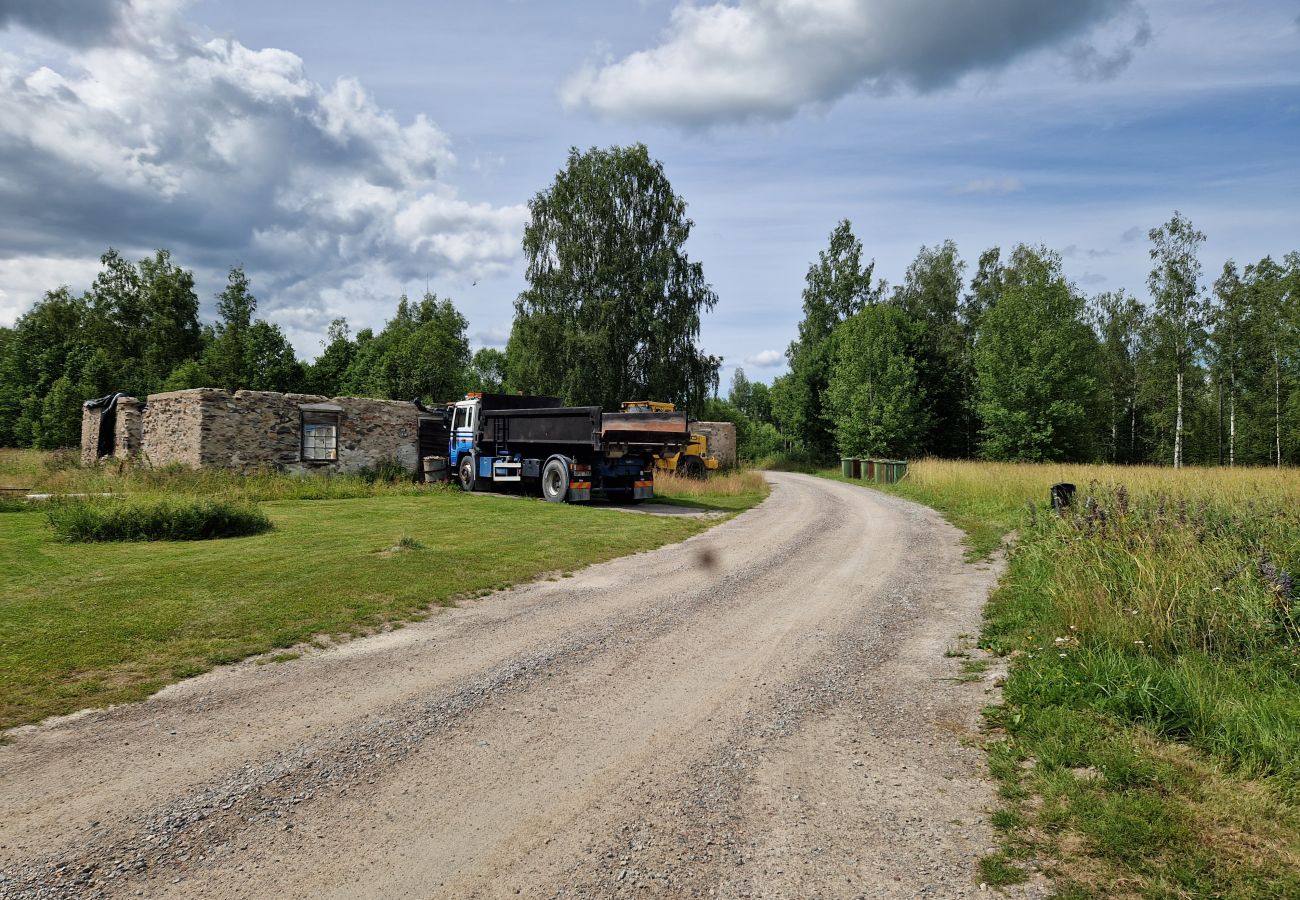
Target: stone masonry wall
250 430
126 434
722 440
89 436
171 428
128 438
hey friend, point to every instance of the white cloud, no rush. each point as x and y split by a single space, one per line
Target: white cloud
1004 184
142 132
768 59
765 359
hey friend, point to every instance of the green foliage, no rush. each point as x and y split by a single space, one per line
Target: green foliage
1179 319
613 304
836 287
874 396
422 353
247 354
931 295
488 370
1034 366
83 521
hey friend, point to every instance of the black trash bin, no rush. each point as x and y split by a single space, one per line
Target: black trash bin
1062 495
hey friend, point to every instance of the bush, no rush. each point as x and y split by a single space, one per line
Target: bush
161 520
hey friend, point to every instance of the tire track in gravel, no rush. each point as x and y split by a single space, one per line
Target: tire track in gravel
634 728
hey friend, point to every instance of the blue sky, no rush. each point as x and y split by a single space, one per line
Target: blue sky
346 154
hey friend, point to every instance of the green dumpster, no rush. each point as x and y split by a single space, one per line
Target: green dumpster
846 466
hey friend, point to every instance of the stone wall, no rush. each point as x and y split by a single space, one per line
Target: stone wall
128 422
90 419
128 438
250 430
722 440
172 428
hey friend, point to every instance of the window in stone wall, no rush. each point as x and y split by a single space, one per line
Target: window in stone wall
320 436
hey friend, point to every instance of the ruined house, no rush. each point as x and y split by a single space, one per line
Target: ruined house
250 430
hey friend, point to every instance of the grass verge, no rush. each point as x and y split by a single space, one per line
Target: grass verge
1148 744
93 624
736 490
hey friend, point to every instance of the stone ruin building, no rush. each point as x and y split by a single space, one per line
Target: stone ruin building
250 430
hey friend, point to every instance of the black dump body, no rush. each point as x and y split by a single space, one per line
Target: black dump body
542 421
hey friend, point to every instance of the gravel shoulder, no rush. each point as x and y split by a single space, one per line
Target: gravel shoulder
762 710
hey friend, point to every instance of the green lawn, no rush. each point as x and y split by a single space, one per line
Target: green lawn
92 624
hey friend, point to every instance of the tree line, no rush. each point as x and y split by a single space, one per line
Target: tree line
1006 361
611 312
1015 363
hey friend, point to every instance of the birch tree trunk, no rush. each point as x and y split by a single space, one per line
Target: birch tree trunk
1178 427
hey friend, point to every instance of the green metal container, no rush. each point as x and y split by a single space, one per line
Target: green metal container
846 466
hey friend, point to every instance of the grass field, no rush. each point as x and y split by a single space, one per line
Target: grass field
1149 740
92 624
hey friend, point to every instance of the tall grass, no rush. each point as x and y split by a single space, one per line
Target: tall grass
718 484
1158 613
58 473
89 521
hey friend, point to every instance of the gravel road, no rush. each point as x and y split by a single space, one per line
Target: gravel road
764 710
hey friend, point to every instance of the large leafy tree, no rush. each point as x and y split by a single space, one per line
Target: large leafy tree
1180 316
874 396
487 370
422 353
1120 321
837 286
1034 365
246 353
327 374
931 294
613 304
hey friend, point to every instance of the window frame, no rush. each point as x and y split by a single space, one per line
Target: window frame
328 444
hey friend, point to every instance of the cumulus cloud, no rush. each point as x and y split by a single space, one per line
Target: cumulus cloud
765 359
768 59
139 131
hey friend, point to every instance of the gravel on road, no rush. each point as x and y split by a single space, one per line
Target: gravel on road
764 710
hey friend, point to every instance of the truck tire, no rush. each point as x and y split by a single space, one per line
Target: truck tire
555 480
467 473
693 467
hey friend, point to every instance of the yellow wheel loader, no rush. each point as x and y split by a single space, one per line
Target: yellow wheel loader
695 461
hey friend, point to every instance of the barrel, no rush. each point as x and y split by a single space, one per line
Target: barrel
435 468
846 466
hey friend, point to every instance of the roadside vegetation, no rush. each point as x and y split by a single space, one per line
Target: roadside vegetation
91 624
1149 739
737 489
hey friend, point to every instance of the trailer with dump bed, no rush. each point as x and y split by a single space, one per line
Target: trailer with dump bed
566 453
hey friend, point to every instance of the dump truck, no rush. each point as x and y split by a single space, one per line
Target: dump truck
694 460
565 453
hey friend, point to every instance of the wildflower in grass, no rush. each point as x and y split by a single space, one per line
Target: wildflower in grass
1121 501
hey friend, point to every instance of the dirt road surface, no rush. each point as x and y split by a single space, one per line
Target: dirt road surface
764 710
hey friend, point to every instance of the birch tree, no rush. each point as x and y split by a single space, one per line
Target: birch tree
1178 326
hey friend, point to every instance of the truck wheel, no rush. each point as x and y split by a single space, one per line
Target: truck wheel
555 481
468 475
693 467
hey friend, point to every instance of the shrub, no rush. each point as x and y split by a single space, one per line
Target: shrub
160 520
